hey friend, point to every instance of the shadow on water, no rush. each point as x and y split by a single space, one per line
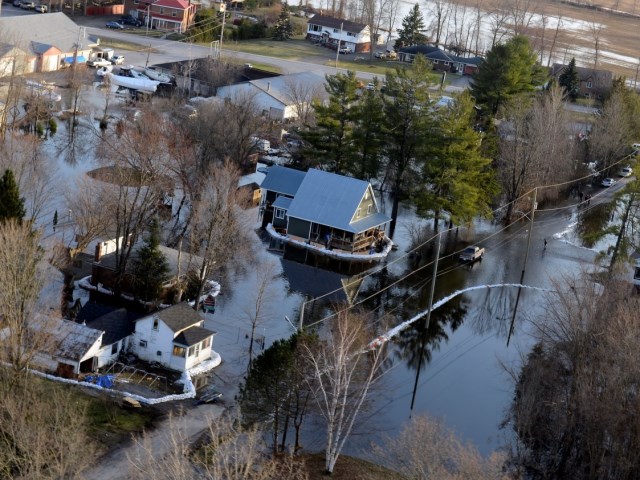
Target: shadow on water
592 222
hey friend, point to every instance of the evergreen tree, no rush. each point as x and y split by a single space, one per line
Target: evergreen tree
283 30
150 268
11 205
331 140
408 122
459 182
569 80
412 29
508 69
368 135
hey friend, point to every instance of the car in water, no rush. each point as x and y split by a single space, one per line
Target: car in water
115 25
608 182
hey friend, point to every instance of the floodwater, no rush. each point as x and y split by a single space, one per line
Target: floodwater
463 354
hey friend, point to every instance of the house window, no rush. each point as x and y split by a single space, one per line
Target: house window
179 351
190 352
335 30
349 34
143 343
315 28
206 343
366 195
358 213
369 209
589 84
161 10
174 14
114 348
158 353
435 62
279 213
136 2
155 324
197 350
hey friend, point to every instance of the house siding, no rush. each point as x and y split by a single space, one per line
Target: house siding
298 227
160 340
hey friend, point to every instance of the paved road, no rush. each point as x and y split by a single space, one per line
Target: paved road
186 428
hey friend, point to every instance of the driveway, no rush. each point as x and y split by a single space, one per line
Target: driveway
187 427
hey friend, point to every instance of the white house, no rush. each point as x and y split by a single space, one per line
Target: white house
276 97
331 30
173 337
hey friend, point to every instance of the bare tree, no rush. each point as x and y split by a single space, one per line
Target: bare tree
439 10
522 13
344 371
595 29
88 213
609 137
302 95
498 22
426 449
555 37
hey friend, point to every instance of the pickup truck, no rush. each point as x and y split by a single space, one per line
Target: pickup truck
471 254
98 62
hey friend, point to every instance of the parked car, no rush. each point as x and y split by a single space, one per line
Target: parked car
16 3
608 182
380 55
28 5
635 146
41 8
115 25
625 172
98 62
346 50
371 86
135 22
471 254
117 59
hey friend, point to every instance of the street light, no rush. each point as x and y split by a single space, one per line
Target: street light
223 10
149 15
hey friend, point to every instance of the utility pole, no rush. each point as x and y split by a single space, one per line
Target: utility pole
635 82
426 328
148 55
534 205
223 10
338 49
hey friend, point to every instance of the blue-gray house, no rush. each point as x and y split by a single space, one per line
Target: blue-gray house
323 209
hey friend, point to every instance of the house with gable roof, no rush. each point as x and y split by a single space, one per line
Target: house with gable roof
332 31
594 83
323 210
171 15
174 337
49 41
441 60
273 96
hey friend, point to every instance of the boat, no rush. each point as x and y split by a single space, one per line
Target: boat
43 90
130 71
132 83
102 71
157 76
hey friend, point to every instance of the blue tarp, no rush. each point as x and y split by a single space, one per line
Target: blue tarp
79 58
104 381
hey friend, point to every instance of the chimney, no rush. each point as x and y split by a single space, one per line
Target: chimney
98 253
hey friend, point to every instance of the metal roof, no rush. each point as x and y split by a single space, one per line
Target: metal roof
69 340
280 87
282 202
283 180
330 199
370 221
179 317
53 29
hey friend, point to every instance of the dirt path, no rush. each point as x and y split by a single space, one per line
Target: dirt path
115 464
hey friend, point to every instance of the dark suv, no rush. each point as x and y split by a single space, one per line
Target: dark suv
136 22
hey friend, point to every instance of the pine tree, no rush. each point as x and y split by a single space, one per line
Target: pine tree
412 29
11 205
283 30
569 80
150 269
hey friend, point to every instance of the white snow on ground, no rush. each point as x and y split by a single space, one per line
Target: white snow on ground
333 253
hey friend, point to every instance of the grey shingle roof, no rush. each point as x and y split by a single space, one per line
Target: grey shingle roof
283 180
179 317
52 29
69 340
600 78
332 22
187 261
192 335
330 199
415 49
280 87
116 325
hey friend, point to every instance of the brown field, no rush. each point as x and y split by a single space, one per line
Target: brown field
613 22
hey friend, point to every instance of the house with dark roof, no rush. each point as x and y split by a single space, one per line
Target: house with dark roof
168 15
594 83
332 31
174 337
441 60
53 40
117 324
319 209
